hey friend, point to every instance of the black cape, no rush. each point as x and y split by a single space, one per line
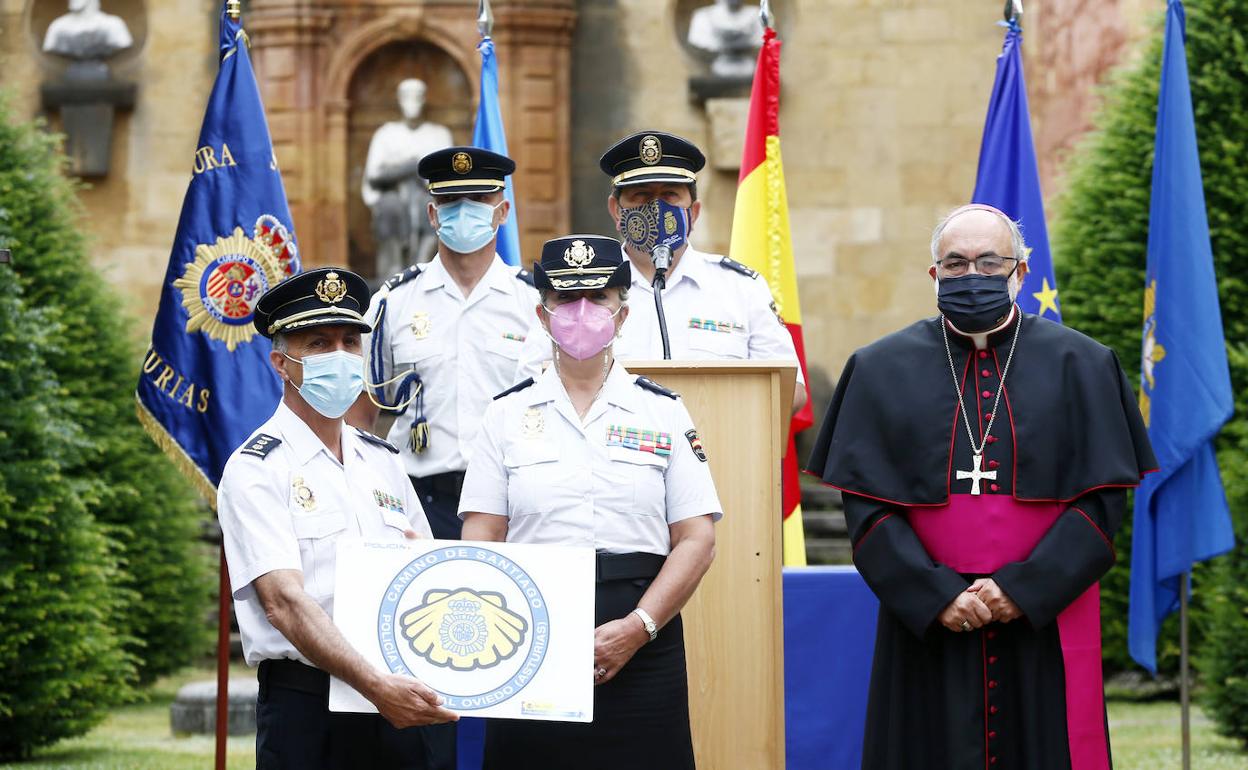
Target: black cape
886 433
1068 430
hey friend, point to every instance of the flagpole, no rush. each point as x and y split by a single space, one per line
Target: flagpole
1184 689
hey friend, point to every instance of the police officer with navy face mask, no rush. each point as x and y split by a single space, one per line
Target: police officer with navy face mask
301 482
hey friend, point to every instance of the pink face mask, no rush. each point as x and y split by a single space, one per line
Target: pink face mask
582 329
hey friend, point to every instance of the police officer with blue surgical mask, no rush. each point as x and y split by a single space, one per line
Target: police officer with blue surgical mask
300 483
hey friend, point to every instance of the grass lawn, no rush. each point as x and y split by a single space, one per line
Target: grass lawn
1145 737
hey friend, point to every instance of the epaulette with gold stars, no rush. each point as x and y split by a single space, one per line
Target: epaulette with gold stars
377 440
526 276
398 279
648 384
260 445
519 386
733 264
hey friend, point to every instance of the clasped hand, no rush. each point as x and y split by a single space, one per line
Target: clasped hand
981 603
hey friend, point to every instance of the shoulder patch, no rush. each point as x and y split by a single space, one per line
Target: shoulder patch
648 384
519 386
398 279
377 440
526 276
260 445
733 264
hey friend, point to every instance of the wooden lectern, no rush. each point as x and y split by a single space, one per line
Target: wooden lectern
734 624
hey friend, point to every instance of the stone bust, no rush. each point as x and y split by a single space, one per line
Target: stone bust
391 187
731 32
86 32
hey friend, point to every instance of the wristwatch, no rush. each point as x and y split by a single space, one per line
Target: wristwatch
648 622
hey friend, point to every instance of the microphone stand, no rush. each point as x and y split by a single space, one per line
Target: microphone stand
662 257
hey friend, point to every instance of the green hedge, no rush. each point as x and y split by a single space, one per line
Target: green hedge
62 661
151 516
1100 241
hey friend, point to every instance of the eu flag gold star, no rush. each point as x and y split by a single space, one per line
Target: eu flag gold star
1047 297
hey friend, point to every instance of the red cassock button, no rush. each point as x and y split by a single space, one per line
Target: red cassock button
992 760
992 734
985 373
992 634
993 464
988 415
992 659
983 354
994 488
992 439
992 685
993 709
986 394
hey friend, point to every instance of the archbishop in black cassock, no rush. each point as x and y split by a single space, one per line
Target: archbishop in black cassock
988 649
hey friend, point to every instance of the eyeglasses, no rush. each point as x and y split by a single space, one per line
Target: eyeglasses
989 264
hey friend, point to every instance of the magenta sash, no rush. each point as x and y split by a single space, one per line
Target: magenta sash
980 535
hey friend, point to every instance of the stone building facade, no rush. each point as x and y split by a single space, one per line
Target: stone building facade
882 108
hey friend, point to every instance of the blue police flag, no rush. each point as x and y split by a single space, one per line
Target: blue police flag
488 134
1181 514
206 382
1008 177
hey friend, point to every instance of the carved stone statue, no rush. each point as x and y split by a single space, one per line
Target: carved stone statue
86 32
394 191
731 32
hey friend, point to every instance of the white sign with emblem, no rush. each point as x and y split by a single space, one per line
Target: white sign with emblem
497 629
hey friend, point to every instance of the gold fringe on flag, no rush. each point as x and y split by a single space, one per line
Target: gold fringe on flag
174 451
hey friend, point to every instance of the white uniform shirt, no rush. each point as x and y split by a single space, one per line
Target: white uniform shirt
616 482
465 349
713 312
287 509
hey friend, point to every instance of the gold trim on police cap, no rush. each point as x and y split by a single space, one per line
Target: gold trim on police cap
461 163
456 183
331 288
650 150
684 174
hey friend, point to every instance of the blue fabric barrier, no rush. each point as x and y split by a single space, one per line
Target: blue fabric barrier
829 631
829 634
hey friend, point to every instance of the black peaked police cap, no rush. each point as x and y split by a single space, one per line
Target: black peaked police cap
578 262
465 170
652 156
326 295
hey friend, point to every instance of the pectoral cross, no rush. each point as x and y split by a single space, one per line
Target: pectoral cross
976 474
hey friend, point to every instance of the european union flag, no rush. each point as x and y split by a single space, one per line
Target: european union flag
206 382
488 134
1181 515
1008 177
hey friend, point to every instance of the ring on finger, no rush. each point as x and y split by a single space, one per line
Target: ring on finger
600 672
965 625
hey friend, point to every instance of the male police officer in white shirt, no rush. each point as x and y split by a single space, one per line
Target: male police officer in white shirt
716 308
448 334
286 496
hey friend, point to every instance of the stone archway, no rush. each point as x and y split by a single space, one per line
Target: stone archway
308 57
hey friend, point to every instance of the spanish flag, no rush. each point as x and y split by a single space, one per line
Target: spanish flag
760 239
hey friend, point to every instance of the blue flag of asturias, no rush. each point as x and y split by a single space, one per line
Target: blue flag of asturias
206 381
1009 179
1181 515
488 134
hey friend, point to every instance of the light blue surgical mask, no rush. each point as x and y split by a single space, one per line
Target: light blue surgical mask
466 225
331 381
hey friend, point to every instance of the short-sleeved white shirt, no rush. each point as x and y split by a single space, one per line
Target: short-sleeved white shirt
465 349
285 505
712 312
615 481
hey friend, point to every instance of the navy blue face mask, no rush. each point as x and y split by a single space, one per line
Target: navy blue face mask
975 303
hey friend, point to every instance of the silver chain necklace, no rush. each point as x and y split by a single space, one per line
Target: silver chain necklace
975 474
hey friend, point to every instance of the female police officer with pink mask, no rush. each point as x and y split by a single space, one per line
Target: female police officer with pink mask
587 454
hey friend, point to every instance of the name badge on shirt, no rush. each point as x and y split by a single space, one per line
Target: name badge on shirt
723 327
388 501
640 439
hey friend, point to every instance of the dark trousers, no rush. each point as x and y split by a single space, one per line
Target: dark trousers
439 495
641 717
295 730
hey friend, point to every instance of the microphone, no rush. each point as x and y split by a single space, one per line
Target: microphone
661 255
